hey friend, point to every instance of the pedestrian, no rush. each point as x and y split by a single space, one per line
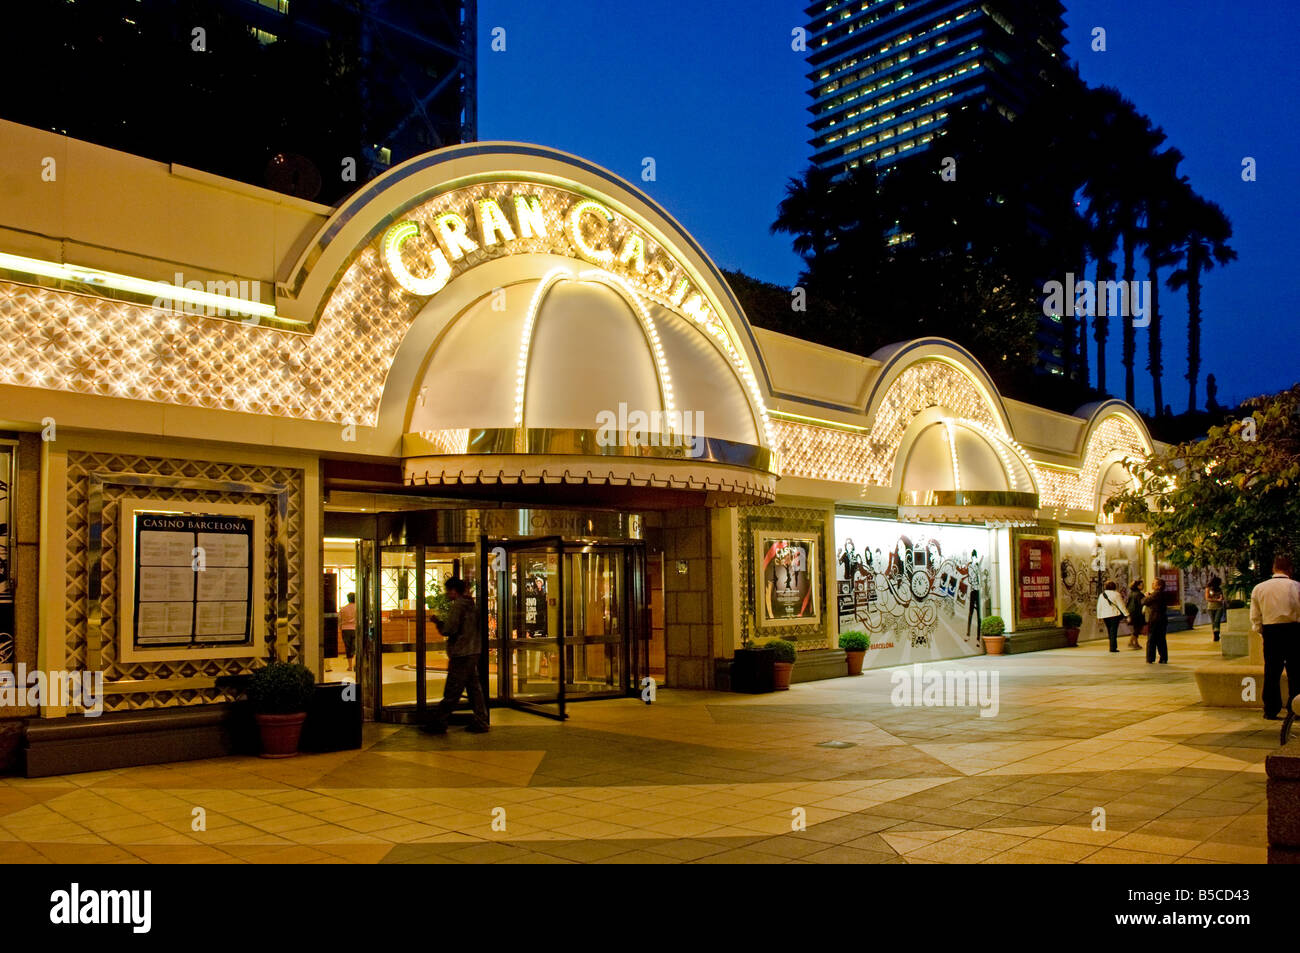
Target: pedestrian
460 629
348 626
1275 615
1110 610
1135 617
1157 617
1214 604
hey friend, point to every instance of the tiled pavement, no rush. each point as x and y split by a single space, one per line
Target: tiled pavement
714 778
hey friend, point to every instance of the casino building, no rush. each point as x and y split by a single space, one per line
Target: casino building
223 410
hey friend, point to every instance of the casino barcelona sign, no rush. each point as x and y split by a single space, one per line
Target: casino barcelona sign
441 239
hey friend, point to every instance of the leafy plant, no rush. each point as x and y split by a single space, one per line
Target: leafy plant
1071 620
281 688
993 625
854 641
1228 499
785 651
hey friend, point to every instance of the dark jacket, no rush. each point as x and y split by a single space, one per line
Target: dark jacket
1134 605
460 627
1159 611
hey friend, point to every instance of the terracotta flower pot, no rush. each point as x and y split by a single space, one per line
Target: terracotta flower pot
280 734
1072 636
855 661
781 675
995 644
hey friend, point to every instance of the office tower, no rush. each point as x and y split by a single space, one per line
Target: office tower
308 97
886 74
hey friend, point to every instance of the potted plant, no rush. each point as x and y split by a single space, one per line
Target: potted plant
279 694
1190 609
1071 621
751 665
783 662
991 630
855 644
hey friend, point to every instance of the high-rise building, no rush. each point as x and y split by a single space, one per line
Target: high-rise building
887 73
309 97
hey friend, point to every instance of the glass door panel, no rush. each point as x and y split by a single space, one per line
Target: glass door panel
533 622
399 583
595 621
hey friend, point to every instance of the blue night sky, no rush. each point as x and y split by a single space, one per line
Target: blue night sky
713 92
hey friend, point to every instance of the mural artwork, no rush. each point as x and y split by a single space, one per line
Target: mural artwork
918 592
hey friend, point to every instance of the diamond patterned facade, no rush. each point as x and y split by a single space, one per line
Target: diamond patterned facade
80 531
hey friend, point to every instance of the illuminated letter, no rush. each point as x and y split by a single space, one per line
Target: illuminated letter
393 241
633 251
451 229
676 297
492 220
587 207
697 309
529 215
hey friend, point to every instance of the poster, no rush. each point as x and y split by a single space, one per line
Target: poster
785 568
193 580
918 592
1035 579
7 453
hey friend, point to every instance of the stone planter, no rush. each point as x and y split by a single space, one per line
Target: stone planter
280 734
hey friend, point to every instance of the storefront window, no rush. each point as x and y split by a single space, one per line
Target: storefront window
917 590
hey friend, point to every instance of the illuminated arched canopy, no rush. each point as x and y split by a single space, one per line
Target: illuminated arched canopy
962 470
561 331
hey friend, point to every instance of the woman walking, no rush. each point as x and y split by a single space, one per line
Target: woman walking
1110 611
1214 604
1135 620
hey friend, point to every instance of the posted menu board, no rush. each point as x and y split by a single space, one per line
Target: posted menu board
193 580
1036 579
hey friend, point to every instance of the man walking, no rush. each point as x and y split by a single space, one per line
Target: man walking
460 629
1157 614
1275 615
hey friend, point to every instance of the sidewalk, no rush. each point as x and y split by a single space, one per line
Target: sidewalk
710 777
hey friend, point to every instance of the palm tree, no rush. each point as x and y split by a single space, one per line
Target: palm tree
1161 185
1203 229
1141 140
810 213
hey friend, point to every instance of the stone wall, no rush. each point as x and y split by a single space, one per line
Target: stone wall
692 623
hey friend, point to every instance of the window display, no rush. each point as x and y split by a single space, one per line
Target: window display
917 591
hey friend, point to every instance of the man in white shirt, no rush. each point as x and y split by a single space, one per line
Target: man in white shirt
1275 615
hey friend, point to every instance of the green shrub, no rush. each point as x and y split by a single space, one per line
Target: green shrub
993 625
784 650
854 641
281 688
1071 620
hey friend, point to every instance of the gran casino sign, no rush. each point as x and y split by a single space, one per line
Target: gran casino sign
435 242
